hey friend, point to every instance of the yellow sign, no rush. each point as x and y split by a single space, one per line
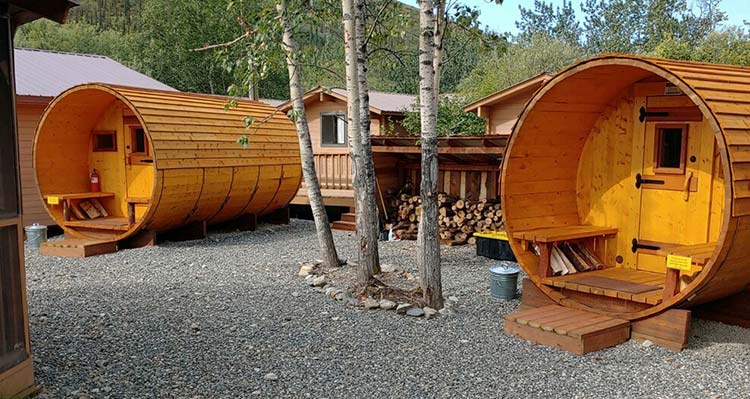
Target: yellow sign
679 262
53 200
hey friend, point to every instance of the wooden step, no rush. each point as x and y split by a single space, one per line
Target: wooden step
572 330
344 225
77 247
349 217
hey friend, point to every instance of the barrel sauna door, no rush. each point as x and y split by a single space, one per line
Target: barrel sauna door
139 167
675 189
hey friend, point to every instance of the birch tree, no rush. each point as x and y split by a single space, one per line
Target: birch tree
428 254
296 92
358 124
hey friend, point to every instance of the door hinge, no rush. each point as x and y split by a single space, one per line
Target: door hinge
639 181
636 246
643 114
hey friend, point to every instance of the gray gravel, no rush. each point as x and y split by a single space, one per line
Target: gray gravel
227 317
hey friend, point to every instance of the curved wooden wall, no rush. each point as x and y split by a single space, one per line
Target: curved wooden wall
543 154
201 172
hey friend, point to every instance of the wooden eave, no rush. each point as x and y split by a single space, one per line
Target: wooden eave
320 92
25 11
529 84
33 100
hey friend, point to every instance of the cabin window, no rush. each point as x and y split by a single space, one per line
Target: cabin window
140 146
105 141
333 129
671 148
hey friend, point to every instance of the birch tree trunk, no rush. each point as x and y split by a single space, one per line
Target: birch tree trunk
370 221
428 255
358 127
440 24
323 227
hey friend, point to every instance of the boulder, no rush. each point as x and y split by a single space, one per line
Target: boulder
415 312
402 308
371 304
386 304
429 312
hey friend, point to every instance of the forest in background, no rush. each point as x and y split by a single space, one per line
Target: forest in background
160 38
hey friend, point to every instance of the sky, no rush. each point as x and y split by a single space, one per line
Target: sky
502 18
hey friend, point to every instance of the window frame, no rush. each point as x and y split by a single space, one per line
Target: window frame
94 141
337 115
658 145
136 157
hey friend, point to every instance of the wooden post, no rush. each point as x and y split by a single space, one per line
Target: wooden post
131 213
545 252
671 283
66 210
279 216
248 222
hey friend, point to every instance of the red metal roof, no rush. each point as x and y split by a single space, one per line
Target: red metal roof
43 73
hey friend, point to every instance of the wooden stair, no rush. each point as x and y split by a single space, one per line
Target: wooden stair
77 247
572 330
347 222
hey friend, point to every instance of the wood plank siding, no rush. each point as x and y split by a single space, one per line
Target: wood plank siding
29 114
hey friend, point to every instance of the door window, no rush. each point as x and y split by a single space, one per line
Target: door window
671 148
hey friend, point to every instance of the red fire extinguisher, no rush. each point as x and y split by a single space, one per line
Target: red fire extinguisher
95 186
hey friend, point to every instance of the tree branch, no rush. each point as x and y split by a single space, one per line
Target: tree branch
221 45
375 21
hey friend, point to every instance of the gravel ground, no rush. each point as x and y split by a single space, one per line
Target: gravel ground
211 318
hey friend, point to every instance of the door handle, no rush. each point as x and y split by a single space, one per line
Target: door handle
639 181
636 246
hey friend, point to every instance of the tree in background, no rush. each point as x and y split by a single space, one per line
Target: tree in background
638 27
558 23
539 53
451 119
729 46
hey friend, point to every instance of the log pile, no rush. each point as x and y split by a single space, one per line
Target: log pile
458 218
569 258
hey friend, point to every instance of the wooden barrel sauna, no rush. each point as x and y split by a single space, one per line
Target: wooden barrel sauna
634 159
164 160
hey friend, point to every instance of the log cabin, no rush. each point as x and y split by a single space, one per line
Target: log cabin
326 115
644 163
500 110
469 166
37 85
16 365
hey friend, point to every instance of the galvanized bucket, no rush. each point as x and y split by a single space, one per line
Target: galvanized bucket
504 279
35 235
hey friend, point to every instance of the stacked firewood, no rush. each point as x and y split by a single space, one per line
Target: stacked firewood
569 258
458 218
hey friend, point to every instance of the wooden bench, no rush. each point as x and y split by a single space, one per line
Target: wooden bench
699 255
132 202
544 238
66 198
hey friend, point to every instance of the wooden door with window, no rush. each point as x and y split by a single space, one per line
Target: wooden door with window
675 189
139 169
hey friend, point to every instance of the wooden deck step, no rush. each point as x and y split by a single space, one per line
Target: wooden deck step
343 225
347 222
77 248
572 330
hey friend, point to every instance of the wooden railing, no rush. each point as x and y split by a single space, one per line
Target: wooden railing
334 171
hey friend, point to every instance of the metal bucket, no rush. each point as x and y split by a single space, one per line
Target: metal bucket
504 280
35 235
